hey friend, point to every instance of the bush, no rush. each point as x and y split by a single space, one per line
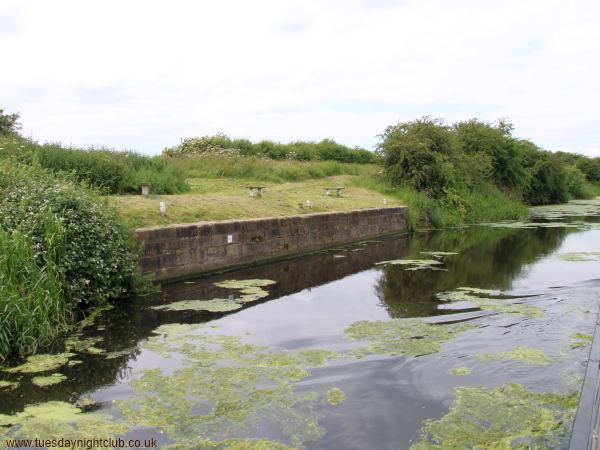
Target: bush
548 183
110 171
98 261
32 307
9 123
477 137
418 154
577 184
222 145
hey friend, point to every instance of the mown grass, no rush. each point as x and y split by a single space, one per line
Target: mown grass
228 198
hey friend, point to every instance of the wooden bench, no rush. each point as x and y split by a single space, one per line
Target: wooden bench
255 191
339 190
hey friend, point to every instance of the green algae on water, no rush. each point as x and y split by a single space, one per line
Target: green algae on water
489 300
525 354
118 354
224 387
316 357
56 420
439 254
251 290
231 444
243 284
580 256
91 318
214 305
79 344
44 381
460 371
413 264
507 417
41 363
403 336
582 337
581 340
335 396
8 385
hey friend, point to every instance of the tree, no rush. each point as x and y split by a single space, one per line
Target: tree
9 123
419 154
496 141
548 183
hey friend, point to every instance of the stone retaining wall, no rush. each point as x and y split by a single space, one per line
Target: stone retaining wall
179 250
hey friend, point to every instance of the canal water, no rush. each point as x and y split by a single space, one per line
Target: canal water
437 339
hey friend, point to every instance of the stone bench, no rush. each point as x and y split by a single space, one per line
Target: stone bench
339 190
255 191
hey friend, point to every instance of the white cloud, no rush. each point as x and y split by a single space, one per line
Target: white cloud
143 74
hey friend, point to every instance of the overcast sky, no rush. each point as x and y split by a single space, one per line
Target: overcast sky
142 75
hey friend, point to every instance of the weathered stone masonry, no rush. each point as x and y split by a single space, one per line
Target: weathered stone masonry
180 250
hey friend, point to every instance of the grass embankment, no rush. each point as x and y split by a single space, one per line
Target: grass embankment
228 198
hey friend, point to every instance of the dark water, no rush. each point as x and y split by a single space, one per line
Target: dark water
317 297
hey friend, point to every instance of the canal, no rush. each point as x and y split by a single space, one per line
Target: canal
477 336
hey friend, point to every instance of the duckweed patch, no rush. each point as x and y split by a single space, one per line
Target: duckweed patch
439 254
41 363
244 284
460 371
525 354
413 264
80 344
507 417
335 396
118 354
224 388
530 225
581 340
49 380
580 256
91 317
8 385
488 300
582 337
214 305
232 444
251 290
412 337
55 420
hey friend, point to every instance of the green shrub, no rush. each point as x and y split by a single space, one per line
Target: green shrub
577 185
548 183
223 145
476 137
32 307
9 123
98 262
110 171
248 167
418 154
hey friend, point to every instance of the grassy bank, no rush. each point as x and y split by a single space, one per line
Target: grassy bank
468 208
227 198
107 170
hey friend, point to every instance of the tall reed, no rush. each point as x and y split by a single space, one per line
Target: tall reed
32 305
